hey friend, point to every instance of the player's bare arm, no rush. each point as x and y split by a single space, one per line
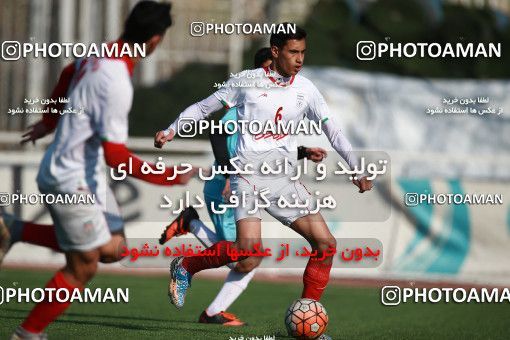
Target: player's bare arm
49 121
34 132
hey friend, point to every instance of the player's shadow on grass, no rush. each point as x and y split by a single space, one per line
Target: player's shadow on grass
219 329
158 328
123 317
97 323
85 315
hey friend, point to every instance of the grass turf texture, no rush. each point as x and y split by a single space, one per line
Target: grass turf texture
355 313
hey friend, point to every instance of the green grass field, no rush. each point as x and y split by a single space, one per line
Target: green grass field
355 313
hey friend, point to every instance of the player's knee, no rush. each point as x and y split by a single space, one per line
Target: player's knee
83 266
110 258
327 243
84 273
111 255
112 252
89 271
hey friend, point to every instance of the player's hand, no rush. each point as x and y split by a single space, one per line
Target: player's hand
226 190
35 131
316 154
161 138
363 184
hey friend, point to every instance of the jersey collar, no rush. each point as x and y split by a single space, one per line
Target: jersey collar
277 78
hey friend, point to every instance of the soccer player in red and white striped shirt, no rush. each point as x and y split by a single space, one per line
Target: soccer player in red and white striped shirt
75 161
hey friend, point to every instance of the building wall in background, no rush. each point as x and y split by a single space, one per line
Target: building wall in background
89 21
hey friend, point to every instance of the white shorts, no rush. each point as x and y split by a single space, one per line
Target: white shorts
278 186
84 227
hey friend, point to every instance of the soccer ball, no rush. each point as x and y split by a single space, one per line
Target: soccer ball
306 319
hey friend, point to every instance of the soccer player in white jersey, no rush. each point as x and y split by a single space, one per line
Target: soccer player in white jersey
276 93
215 192
73 164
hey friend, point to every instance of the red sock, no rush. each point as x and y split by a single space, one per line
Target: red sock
45 312
41 235
315 279
197 263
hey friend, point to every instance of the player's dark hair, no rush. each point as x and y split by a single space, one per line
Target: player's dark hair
279 39
261 56
147 19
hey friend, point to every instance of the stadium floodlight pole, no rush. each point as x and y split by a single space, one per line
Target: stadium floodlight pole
66 24
113 22
235 52
40 29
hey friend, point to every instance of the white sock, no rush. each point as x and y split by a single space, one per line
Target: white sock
234 285
22 333
205 235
